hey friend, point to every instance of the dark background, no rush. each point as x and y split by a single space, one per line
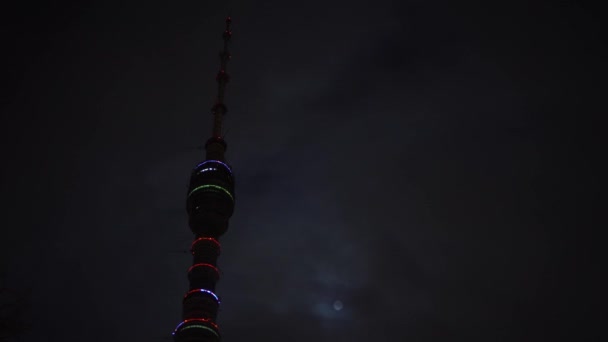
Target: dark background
432 165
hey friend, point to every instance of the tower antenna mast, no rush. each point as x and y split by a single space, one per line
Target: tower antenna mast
222 78
216 146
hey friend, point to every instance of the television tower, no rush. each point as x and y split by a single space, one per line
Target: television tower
210 203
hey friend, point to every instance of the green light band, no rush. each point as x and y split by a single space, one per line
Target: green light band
213 186
200 327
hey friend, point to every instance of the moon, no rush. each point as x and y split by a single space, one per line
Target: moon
338 305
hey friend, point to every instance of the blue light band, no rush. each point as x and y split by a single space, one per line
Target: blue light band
207 169
217 299
215 161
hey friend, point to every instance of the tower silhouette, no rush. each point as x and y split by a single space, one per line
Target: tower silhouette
210 203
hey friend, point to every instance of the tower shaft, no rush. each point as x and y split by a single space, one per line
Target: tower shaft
210 204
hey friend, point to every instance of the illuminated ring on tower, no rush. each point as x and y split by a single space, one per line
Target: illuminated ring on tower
219 247
204 323
212 186
205 265
206 169
217 299
215 161
201 320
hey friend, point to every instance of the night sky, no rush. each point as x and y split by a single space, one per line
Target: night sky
405 171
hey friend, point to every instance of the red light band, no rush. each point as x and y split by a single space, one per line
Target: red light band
205 238
204 265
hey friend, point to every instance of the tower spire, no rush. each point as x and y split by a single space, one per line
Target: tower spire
216 146
210 204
